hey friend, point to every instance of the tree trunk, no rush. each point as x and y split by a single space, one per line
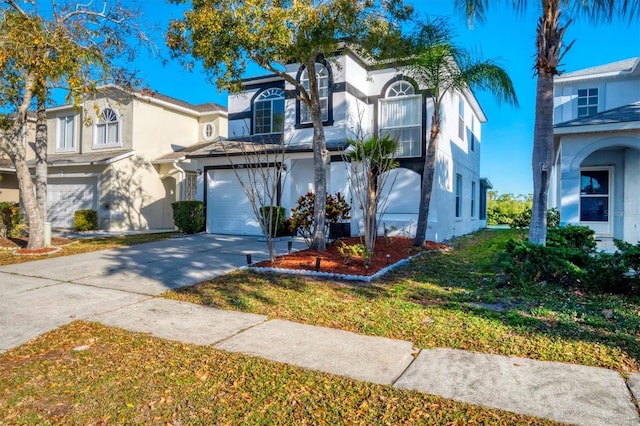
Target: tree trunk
17 153
548 43
371 221
542 157
320 160
427 179
41 160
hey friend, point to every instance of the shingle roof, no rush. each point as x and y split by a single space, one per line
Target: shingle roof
237 147
182 151
86 158
206 107
626 65
623 114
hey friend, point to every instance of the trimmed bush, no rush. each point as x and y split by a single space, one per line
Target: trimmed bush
273 218
85 220
11 220
578 237
188 216
570 260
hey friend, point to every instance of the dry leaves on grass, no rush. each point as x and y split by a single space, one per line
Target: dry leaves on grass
132 378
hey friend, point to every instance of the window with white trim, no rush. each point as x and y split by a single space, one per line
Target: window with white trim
107 128
587 102
458 195
401 118
594 195
66 133
322 78
461 126
473 199
268 112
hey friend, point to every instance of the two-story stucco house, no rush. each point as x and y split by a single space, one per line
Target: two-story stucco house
596 178
122 154
355 97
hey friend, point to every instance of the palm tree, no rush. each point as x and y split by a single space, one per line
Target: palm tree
373 157
445 68
550 51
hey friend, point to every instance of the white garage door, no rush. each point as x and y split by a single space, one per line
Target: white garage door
65 196
228 208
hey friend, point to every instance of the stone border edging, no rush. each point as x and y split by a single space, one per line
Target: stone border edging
345 277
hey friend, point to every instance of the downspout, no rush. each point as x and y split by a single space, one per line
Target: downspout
183 175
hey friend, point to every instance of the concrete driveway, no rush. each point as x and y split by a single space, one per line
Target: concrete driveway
38 296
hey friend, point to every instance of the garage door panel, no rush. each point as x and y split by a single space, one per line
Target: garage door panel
65 196
229 210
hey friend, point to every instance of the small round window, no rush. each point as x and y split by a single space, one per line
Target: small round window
208 131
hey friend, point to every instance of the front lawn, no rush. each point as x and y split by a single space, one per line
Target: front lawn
85 373
453 299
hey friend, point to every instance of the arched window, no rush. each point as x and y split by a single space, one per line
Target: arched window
268 112
322 77
108 128
401 117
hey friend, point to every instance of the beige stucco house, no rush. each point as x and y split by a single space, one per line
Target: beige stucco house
122 154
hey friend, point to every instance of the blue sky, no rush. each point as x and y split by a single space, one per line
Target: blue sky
505 36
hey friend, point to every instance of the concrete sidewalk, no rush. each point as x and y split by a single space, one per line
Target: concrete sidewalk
117 288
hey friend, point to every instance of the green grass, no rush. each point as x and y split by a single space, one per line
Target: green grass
131 378
86 245
453 299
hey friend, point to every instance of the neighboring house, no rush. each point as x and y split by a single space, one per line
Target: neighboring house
356 98
8 179
122 154
596 177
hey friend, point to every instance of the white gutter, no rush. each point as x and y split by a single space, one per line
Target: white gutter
183 176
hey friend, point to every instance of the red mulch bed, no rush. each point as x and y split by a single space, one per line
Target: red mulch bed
397 248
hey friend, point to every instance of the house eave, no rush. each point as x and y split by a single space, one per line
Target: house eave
597 128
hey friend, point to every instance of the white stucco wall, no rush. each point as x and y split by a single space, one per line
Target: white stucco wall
612 93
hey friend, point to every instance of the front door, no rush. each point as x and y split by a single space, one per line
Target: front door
596 200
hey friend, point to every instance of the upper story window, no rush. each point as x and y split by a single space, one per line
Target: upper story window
458 195
587 102
472 135
66 133
461 118
473 199
268 112
401 117
322 78
107 128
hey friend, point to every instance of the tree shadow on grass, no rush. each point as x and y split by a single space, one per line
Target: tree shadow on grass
539 310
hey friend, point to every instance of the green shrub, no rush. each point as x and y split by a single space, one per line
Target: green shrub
273 218
188 216
553 218
85 220
573 236
570 260
11 220
525 263
301 220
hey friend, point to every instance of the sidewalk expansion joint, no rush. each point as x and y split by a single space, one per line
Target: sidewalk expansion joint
119 307
415 354
634 398
239 332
